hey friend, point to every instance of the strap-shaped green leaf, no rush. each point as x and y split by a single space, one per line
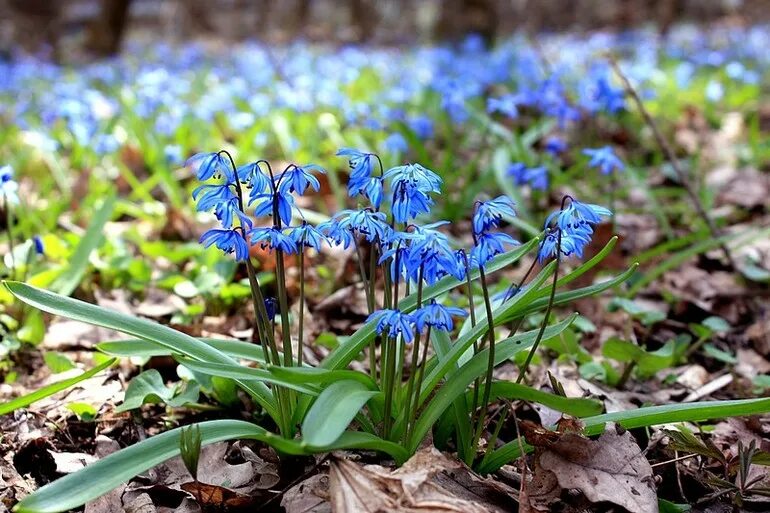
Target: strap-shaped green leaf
176 341
333 411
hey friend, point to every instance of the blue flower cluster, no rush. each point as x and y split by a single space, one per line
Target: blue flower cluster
568 230
272 194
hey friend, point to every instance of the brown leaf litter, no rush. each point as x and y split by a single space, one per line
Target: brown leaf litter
611 469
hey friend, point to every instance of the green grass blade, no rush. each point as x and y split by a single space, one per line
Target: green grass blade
644 417
92 239
175 341
46 391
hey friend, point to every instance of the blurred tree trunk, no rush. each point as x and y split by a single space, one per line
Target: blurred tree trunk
106 31
460 18
37 25
365 18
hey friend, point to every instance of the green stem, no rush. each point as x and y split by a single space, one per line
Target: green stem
9 230
490 361
548 309
418 386
415 349
301 320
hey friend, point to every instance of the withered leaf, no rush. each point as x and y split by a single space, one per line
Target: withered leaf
420 486
610 469
216 497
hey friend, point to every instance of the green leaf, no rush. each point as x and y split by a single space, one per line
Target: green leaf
175 341
92 239
333 411
84 411
148 387
33 330
239 372
146 349
100 477
352 347
645 315
42 393
458 382
57 362
644 417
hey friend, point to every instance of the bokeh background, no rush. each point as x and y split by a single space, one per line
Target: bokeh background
82 29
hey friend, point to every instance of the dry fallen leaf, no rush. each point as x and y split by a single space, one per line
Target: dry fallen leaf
610 469
309 496
428 482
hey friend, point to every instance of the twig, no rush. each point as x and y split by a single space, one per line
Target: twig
669 154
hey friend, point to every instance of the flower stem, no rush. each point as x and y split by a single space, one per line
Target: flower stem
9 230
301 320
490 361
415 351
531 354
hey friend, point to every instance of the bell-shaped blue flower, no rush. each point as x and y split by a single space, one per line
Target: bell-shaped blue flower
210 165
394 323
489 213
605 159
298 179
437 316
272 238
229 241
265 208
488 245
307 235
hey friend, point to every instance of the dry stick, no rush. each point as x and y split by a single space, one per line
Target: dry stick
669 153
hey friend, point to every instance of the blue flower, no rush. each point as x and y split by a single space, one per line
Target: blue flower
271 307
422 178
409 202
8 186
572 243
298 179
394 323
372 225
489 213
506 104
360 162
307 235
573 224
371 187
488 245
336 232
172 153
422 126
536 177
395 143
210 165
228 241
555 145
437 316
605 159
285 205
223 201
430 251
37 243
272 238
578 214
255 179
